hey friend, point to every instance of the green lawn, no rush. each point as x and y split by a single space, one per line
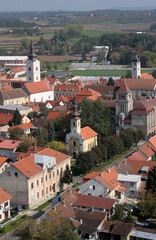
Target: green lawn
14 224
42 206
94 33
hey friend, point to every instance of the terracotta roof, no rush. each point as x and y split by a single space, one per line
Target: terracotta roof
147 150
6 86
4 196
96 202
53 115
152 140
137 156
37 87
103 90
9 144
27 166
5 118
124 89
52 81
11 94
51 102
144 106
110 176
90 176
36 109
121 189
52 153
2 160
17 69
68 87
147 84
136 166
118 228
109 103
146 76
87 133
105 183
24 126
123 167
87 93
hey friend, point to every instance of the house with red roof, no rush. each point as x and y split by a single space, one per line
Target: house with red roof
4 163
17 71
27 127
54 115
34 179
8 147
87 94
4 205
79 139
103 184
39 91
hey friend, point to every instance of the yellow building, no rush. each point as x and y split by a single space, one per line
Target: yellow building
13 96
79 139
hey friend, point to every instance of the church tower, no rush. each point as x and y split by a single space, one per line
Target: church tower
32 66
136 68
75 119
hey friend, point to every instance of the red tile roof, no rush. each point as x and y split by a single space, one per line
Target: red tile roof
96 202
87 93
136 166
146 76
54 115
137 156
37 87
68 87
152 140
9 144
27 166
24 126
17 69
87 133
124 89
111 176
90 176
2 160
53 153
4 196
147 84
52 81
5 118
147 150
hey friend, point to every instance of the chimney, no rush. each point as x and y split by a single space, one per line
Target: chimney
101 174
21 156
63 202
81 221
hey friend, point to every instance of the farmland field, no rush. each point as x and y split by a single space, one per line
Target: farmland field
55 59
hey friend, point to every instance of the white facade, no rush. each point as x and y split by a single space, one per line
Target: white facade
5 210
42 96
33 70
136 70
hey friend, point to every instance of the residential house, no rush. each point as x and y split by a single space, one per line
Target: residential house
39 91
105 91
17 71
147 150
79 139
54 115
4 132
36 178
14 96
132 183
4 205
8 147
5 118
65 89
4 163
87 94
13 61
116 230
24 110
104 184
143 234
27 127
52 81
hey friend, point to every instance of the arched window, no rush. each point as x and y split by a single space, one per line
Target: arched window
74 144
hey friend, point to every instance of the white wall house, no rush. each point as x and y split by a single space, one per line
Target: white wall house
4 205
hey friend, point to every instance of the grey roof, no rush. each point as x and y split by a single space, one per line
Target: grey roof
143 235
129 177
13 107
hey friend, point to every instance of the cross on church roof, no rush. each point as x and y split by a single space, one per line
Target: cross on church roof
32 55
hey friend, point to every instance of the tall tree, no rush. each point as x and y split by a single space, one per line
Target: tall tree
17 118
151 181
51 131
16 133
67 175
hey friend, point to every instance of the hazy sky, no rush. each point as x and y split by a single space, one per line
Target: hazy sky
52 5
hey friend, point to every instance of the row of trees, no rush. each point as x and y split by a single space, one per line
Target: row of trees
108 148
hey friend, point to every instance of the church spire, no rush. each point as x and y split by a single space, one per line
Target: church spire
32 55
75 114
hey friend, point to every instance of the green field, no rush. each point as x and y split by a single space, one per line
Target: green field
103 72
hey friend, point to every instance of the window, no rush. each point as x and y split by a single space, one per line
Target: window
32 185
36 68
16 174
29 69
49 175
50 188
29 78
36 78
38 195
73 124
74 144
42 180
42 192
93 187
46 190
49 97
37 182
53 174
46 177
57 172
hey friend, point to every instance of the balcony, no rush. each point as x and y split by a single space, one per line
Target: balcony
6 209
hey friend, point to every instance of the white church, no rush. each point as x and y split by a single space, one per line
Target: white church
37 90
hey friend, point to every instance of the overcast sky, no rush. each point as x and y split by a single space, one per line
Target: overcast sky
52 5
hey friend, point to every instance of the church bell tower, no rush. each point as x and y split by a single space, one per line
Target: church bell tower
136 68
75 119
32 66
